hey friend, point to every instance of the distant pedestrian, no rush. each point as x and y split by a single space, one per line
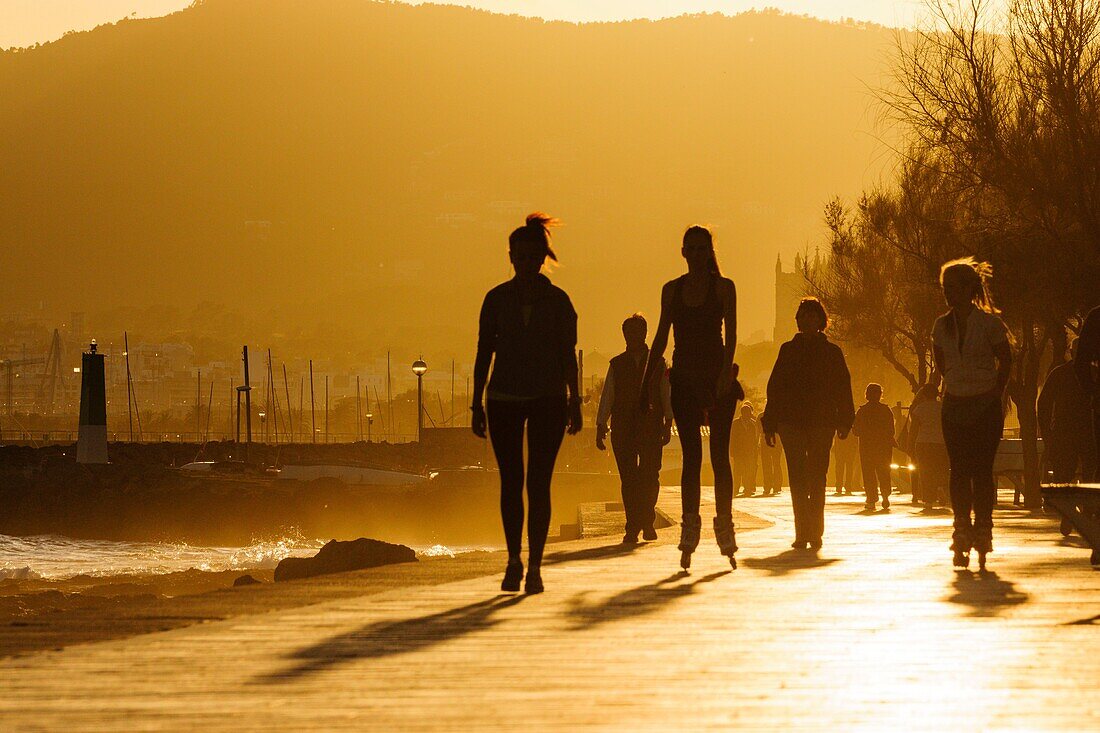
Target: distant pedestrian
637 437
874 426
1087 366
809 401
771 465
528 333
845 467
745 448
974 358
1065 423
925 445
699 308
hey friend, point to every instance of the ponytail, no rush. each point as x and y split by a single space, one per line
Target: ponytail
537 232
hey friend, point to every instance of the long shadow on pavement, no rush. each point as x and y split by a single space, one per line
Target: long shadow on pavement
389 638
788 562
985 593
634 602
592 553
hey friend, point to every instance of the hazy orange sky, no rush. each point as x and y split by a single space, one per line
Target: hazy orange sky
26 22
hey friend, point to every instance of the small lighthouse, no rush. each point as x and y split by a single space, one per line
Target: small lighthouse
91 444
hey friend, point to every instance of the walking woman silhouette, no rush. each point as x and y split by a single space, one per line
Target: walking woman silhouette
704 384
528 333
974 357
809 401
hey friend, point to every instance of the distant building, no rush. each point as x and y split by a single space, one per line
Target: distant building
790 288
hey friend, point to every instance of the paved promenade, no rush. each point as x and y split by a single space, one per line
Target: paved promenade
877 633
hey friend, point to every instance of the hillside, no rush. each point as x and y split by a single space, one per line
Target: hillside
347 171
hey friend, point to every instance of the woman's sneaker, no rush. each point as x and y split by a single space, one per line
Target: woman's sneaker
533 584
512 575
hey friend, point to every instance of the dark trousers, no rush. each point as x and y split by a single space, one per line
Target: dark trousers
844 472
639 463
771 468
1064 453
807 450
972 436
688 414
545 420
876 472
932 471
744 472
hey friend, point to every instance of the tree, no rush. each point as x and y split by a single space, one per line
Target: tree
1006 105
878 281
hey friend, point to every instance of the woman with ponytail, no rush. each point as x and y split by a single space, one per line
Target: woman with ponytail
696 306
528 333
973 356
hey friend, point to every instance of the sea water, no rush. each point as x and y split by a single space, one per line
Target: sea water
55 557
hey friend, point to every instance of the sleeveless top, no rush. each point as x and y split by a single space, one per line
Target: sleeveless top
697 332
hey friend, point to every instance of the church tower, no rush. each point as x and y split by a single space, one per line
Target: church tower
790 288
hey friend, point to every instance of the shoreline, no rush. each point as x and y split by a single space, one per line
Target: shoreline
42 615
39 615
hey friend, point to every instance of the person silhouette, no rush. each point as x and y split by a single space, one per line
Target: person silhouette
771 465
637 438
528 333
697 307
925 445
1086 364
1065 422
973 357
845 462
874 426
809 400
744 446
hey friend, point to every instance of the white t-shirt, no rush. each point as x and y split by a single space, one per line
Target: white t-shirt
971 370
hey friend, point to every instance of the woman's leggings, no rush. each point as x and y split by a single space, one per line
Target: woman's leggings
689 418
545 419
972 437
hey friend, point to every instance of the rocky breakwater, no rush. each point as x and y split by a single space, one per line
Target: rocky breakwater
343 557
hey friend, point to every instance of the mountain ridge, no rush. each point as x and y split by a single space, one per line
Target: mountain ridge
360 164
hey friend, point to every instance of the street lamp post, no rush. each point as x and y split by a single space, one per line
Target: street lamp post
419 367
370 421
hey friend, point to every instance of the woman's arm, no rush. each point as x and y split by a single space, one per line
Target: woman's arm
728 373
486 345
937 367
572 372
660 341
729 318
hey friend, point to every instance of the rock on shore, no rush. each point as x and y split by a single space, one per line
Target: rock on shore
341 557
